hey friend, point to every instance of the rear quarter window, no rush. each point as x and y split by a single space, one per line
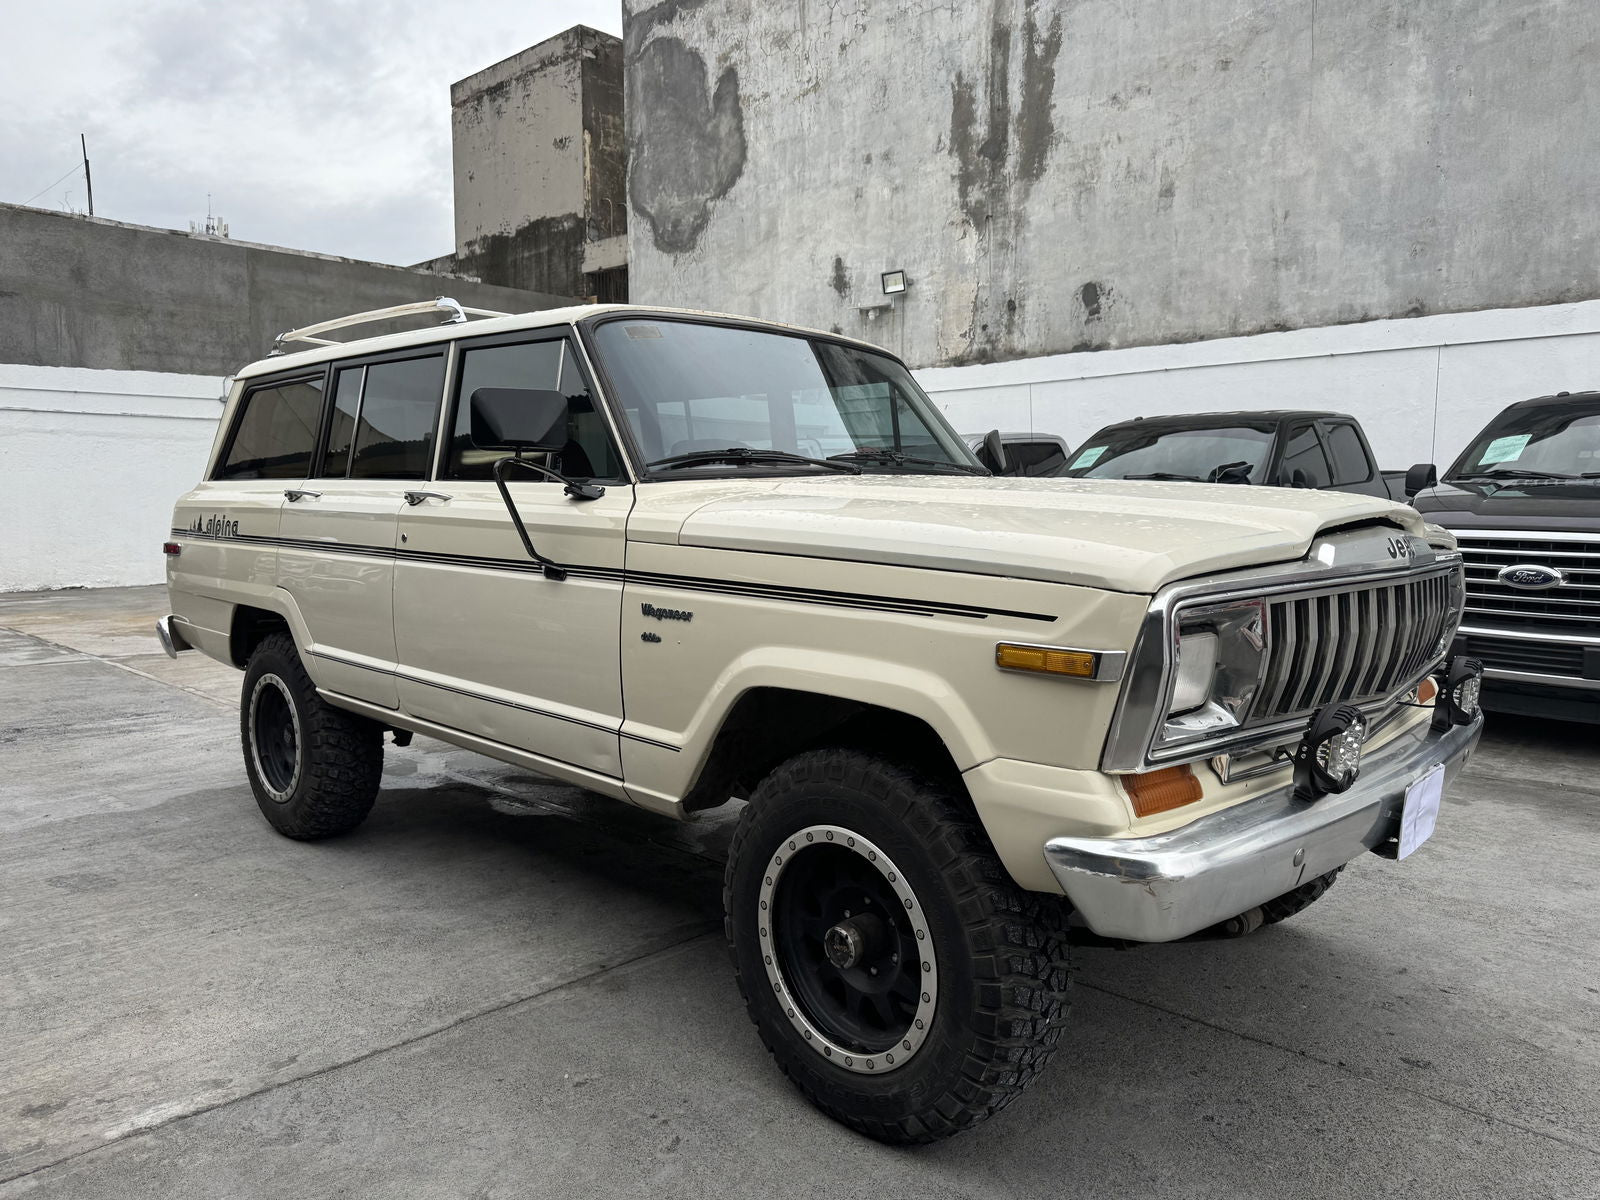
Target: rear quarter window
274 432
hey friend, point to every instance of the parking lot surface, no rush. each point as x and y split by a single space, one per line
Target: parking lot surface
501 986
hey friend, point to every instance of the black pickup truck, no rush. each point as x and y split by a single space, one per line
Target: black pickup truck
1524 503
1282 448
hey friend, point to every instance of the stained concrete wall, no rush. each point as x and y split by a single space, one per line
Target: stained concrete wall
82 292
539 157
1058 176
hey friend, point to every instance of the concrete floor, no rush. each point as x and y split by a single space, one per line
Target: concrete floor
505 987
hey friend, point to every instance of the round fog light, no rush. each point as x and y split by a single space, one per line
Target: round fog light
1328 758
1459 693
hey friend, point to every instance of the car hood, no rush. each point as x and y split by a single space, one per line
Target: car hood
1123 536
1527 504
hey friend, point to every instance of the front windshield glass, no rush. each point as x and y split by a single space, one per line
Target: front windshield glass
1545 440
1225 453
688 389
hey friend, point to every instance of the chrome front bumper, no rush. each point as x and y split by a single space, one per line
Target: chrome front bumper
1155 889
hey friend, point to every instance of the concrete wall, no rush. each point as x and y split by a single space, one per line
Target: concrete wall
539 157
1058 176
1421 387
81 292
92 462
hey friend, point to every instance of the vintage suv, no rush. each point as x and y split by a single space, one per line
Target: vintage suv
680 559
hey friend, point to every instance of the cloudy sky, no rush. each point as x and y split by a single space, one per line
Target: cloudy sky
318 124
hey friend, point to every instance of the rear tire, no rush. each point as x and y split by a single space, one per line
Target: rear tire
314 768
898 976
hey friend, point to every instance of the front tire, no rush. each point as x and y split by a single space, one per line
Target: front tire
314 768
897 975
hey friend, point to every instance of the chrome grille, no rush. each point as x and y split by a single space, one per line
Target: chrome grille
1359 644
1521 654
1569 608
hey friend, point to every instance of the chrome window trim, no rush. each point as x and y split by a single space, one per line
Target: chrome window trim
1334 564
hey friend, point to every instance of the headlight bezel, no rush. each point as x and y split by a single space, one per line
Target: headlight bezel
1234 634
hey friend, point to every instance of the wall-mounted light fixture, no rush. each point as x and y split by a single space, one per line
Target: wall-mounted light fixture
894 282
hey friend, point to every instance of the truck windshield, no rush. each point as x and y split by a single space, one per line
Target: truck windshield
1543 441
1221 453
691 392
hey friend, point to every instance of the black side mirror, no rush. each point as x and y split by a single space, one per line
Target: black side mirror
992 453
518 419
1420 478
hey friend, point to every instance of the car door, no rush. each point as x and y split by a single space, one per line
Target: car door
1353 468
338 535
488 644
1304 463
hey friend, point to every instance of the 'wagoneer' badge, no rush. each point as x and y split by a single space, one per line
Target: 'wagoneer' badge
1531 577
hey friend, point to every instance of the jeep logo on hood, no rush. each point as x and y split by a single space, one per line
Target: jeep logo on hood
1531 577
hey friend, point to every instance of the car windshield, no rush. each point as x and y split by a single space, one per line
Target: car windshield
1224 452
1560 440
691 392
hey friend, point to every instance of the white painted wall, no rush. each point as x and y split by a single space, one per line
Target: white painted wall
91 461
1421 387
90 464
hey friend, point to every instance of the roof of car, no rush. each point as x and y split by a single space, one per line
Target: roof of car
512 323
1257 416
1559 398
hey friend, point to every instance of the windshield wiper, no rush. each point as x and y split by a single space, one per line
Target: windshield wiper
746 454
1167 475
878 454
1514 473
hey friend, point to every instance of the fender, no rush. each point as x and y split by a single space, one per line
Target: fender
662 772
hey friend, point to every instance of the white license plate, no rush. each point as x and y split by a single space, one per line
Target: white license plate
1421 810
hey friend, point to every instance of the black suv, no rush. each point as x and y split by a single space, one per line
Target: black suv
1524 502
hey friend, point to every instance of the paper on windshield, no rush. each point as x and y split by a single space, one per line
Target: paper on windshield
1089 457
1504 449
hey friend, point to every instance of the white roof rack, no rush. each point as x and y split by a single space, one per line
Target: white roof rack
443 304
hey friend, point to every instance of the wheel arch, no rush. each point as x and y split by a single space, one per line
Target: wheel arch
767 724
251 624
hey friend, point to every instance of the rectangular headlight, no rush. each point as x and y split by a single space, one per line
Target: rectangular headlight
1221 657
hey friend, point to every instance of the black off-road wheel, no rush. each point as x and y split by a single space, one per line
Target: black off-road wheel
900 979
314 768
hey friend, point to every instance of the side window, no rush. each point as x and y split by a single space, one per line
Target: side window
1036 458
383 419
589 452
275 431
1304 463
346 408
1350 463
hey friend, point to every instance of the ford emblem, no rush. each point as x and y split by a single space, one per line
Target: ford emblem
1531 577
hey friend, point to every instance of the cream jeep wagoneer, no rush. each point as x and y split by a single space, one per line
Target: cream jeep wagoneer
683 559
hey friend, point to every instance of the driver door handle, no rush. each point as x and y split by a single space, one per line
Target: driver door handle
416 498
293 494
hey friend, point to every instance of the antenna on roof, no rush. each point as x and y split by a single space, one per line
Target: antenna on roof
88 183
213 227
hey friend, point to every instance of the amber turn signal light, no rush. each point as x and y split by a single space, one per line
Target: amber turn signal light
1077 663
1427 690
1160 791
